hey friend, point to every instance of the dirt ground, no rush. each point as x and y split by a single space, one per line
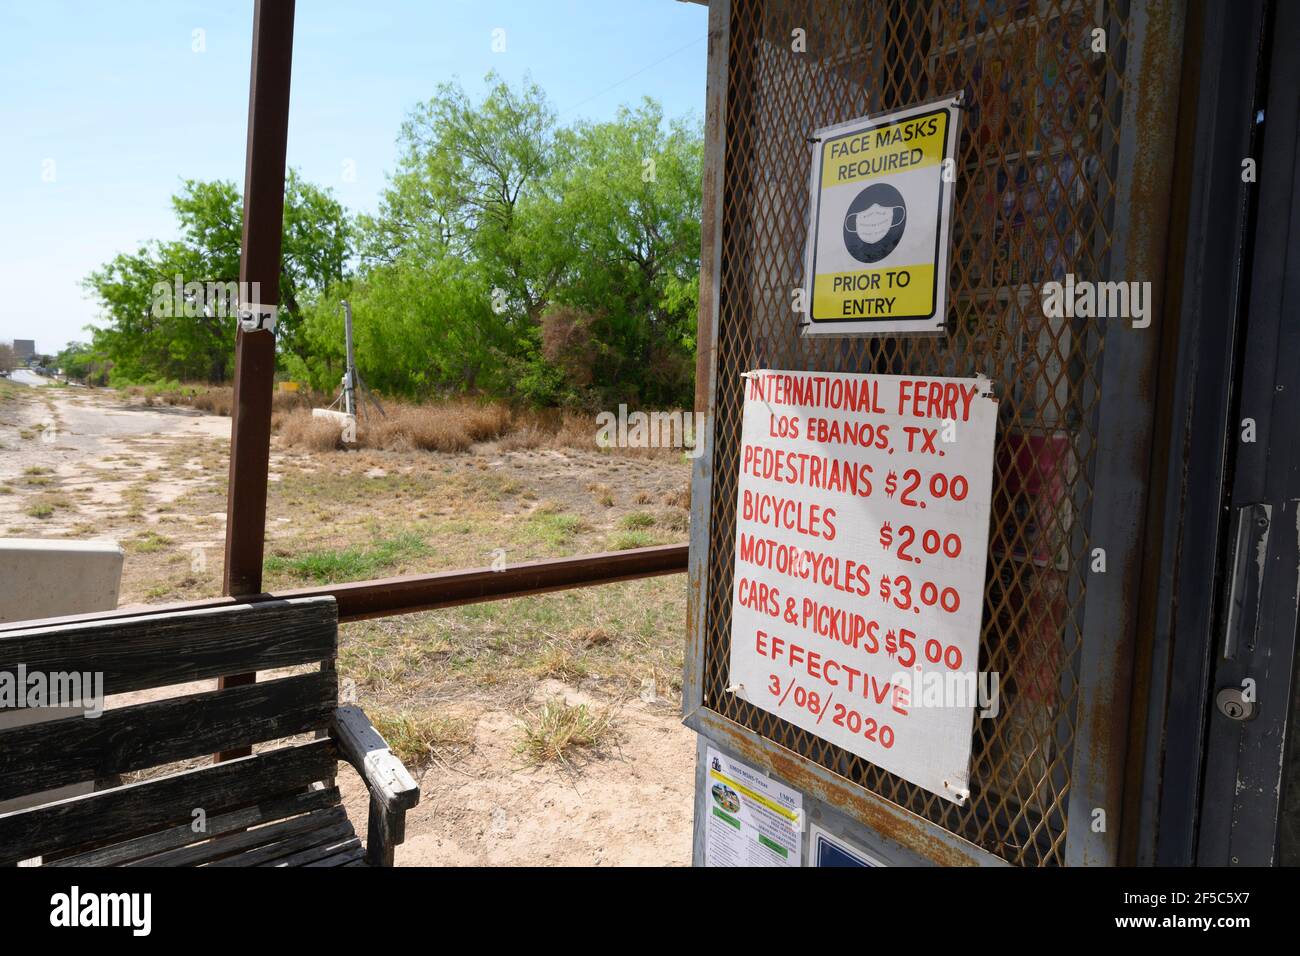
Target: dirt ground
455 691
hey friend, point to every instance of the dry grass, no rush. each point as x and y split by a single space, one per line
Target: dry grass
147 542
417 738
451 427
304 430
45 505
674 519
526 438
454 427
366 513
601 494
577 431
679 499
627 540
592 636
560 663
217 399
560 728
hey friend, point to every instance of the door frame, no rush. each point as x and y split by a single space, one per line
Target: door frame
1210 789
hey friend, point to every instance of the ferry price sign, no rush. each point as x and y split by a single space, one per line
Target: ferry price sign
862 530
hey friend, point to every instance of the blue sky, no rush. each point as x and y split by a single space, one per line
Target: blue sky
106 107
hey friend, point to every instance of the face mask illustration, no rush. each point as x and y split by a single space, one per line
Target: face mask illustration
872 223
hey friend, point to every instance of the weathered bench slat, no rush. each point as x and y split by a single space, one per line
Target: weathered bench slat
236 843
163 802
271 852
183 835
317 854
50 754
349 855
162 649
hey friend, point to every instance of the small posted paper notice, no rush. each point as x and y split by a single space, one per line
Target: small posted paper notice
752 819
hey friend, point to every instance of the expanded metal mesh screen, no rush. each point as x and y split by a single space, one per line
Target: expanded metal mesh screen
1035 193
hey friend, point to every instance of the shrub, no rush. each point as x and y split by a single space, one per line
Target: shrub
302 429
560 728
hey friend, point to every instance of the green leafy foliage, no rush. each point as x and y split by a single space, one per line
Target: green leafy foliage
146 339
82 363
509 256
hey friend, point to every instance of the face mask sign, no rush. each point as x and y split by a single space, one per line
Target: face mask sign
880 230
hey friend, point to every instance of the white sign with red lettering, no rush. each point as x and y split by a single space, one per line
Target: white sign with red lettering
862 526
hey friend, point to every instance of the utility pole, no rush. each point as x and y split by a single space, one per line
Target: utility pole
350 374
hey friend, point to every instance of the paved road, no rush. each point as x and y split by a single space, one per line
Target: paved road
25 376
68 428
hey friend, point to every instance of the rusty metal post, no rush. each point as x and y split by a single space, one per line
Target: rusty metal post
706 351
259 267
1126 396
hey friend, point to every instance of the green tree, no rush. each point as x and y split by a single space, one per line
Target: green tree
586 240
80 362
460 261
508 256
629 204
420 329
468 183
147 342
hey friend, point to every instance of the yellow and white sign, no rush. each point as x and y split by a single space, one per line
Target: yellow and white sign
878 245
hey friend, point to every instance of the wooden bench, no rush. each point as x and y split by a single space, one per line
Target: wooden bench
277 807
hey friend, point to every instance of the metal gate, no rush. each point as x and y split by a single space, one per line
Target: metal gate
1064 168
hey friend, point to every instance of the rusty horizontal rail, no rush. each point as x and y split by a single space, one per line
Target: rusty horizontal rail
384 597
426 592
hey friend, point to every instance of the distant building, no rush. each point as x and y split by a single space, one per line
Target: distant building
24 350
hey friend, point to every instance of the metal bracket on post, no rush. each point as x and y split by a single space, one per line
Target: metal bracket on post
1249 545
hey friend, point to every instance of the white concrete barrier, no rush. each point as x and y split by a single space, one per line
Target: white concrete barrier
53 578
347 423
50 579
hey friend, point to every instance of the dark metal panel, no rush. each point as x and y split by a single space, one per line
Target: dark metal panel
1223 66
1245 759
1068 176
